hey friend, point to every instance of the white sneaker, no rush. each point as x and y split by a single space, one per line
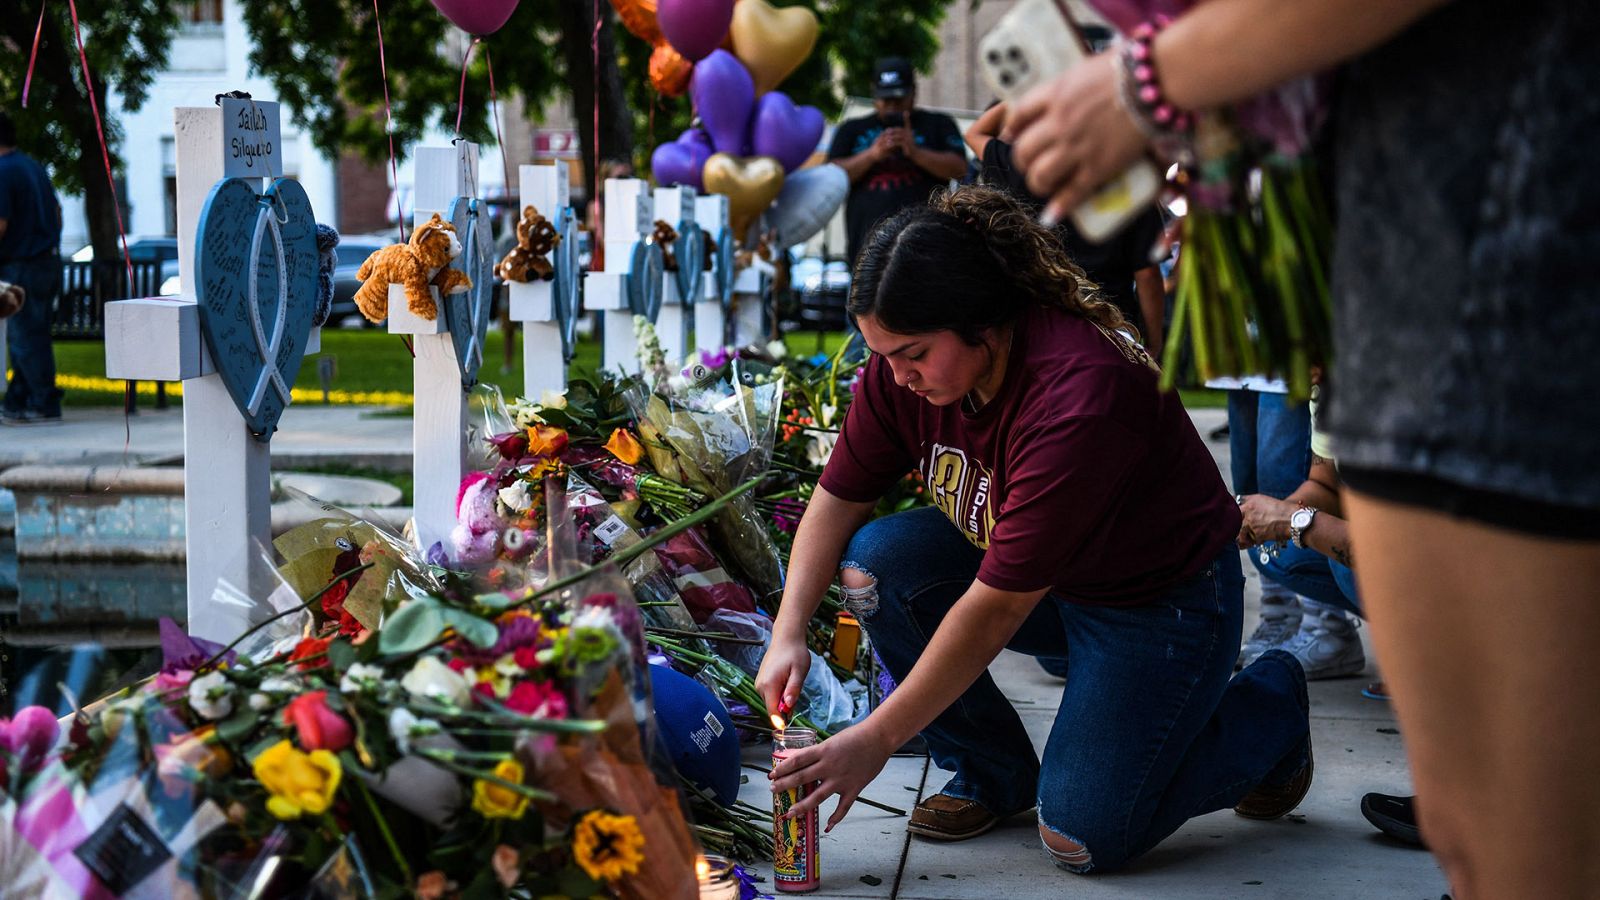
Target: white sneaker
1327 645
1280 621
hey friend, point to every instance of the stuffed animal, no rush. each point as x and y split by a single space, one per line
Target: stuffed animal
327 239
11 299
530 259
417 265
663 237
476 536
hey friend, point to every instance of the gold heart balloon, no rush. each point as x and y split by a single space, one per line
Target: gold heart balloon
750 183
771 42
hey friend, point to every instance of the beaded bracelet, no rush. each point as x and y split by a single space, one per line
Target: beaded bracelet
1165 125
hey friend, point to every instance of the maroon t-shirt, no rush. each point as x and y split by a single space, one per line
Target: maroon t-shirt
1079 476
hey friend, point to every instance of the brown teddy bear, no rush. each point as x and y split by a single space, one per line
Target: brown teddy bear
663 237
417 265
530 259
11 298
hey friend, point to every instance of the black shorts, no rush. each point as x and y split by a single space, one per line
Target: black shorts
1529 517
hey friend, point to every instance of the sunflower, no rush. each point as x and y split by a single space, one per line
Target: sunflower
607 846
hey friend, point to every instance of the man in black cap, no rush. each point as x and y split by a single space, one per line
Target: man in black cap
895 157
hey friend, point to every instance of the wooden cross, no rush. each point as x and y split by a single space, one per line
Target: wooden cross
632 279
548 310
716 295
676 206
227 471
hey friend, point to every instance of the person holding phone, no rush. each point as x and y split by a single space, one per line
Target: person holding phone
895 157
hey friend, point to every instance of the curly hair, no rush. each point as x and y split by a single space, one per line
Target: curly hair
970 260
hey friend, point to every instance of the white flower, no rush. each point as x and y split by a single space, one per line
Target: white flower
260 702
517 497
825 415
549 399
777 349
821 448
361 677
507 666
597 617
280 685
433 680
209 695
403 726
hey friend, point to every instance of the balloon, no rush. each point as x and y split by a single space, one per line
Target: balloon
681 161
477 17
808 200
639 17
772 42
749 183
694 27
724 97
786 132
669 72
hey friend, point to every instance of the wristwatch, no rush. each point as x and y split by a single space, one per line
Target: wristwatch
1299 521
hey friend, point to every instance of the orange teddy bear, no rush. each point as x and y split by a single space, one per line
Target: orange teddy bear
418 265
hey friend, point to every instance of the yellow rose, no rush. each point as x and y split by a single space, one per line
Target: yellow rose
298 782
493 800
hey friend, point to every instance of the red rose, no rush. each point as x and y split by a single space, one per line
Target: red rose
526 658
317 726
333 599
542 698
309 647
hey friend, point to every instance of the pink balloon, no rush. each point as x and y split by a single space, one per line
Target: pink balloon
694 28
477 17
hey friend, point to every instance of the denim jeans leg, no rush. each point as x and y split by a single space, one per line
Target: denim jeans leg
1283 445
33 362
1346 580
1242 440
1304 571
921 566
1151 731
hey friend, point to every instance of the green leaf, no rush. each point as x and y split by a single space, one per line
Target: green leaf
413 626
481 632
574 882
341 654
237 727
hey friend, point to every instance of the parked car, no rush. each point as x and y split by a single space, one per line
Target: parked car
162 250
352 251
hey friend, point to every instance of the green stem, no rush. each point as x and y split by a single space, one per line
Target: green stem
383 828
206 666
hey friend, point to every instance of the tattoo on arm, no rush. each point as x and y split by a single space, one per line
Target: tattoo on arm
1320 460
1343 554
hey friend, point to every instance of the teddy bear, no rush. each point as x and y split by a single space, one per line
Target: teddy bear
476 536
327 239
530 259
423 262
663 237
11 297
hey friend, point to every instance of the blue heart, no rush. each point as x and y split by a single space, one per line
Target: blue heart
644 280
724 267
568 280
467 314
256 279
691 250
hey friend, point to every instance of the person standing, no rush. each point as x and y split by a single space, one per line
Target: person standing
895 157
30 236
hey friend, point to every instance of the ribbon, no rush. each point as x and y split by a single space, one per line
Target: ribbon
461 95
388 126
494 107
28 80
99 129
595 229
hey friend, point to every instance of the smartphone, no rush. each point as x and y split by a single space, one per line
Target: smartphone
1031 44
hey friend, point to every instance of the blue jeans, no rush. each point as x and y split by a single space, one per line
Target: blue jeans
33 360
1309 574
1269 440
1151 731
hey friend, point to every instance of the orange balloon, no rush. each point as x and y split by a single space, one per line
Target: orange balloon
669 71
639 17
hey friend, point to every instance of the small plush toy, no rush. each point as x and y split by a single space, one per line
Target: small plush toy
663 236
476 536
530 259
327 239
11 297
417 265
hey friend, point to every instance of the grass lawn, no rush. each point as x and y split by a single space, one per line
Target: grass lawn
369 360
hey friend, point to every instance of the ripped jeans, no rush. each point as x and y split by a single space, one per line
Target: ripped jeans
1151 730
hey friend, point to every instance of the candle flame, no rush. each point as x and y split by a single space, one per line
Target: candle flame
702 868
777 722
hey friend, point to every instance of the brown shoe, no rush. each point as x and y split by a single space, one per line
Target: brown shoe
946 818
1269 803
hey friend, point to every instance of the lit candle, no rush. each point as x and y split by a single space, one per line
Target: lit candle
717 881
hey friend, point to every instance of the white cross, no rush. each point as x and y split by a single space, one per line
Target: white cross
629 220
676 206
710 322
535 303
227 473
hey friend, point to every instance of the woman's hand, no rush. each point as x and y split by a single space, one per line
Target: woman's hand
843 764
783 671
1265 519
1070 135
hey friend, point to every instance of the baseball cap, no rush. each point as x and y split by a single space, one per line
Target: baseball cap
892 78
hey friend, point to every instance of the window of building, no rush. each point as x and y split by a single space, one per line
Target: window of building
200 12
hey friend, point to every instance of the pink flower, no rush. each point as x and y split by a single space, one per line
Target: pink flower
171 681
540 699
29 735
317 726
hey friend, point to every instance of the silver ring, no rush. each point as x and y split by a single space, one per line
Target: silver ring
1238 499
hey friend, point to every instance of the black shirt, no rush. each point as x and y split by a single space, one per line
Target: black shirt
896 182
1110 265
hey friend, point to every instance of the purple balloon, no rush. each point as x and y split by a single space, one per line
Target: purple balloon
724 96
694 28
681 161
783 131
477 17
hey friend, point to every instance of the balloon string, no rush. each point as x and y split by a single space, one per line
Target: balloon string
494 107
461 96
28 80
599 214
99 129
388 126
